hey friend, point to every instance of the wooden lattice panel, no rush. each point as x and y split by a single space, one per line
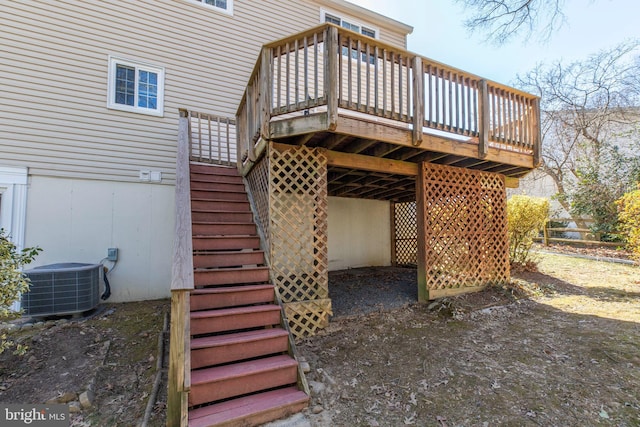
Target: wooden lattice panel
298 223
466 242
298 232
406 233
258 182
306 317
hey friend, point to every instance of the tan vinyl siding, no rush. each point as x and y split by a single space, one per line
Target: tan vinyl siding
394 39
54 70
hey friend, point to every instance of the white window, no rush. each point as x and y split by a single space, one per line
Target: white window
348 23
135 87
352 25
225 6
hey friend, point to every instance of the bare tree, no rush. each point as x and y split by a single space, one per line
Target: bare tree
590 122
501 20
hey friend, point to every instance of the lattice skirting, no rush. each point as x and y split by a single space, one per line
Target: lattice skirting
289 195
405 232
258 182
465 229
307 317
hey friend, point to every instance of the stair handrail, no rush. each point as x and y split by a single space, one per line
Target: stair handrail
210 138
181 285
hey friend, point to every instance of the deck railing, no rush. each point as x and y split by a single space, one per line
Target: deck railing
328 68
212 138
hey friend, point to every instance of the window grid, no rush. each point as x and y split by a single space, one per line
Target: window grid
135 87
125 85
148 90
333 19
224 5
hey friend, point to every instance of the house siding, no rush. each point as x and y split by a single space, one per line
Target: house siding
359 233
83 159
54 73
76 220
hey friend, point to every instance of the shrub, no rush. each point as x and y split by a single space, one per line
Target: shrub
12 281
526 216
629 217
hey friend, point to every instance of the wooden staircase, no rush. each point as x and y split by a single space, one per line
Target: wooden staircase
242 367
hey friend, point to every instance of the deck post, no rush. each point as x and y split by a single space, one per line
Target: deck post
179 372
266 79
545 233
179 376
483 119
418 100
252 126
421 219
537 134
332 74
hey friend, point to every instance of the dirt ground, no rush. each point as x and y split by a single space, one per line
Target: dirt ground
568 354
559 347
113 351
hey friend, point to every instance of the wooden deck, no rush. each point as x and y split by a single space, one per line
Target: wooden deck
379 111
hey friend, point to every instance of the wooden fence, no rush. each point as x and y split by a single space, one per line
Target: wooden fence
587 236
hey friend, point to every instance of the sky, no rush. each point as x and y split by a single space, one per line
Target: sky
439 33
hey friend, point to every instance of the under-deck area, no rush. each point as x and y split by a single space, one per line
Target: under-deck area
364 290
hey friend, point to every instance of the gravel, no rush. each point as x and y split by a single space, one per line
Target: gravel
364 290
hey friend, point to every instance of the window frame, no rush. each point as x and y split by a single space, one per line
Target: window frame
350 21
114 61
227 11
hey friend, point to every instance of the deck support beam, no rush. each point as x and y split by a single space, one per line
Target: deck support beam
423 291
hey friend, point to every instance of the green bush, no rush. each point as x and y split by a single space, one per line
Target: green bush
12 281
629 217
526 216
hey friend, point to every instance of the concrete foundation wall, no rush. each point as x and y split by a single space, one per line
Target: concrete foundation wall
359 233
76 220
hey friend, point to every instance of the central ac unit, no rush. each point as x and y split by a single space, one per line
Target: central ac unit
64 288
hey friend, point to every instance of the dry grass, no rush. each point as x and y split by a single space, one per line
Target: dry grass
591 288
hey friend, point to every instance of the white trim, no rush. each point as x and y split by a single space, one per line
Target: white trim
350 20
13 214
111 92
227 11
13 207
13 175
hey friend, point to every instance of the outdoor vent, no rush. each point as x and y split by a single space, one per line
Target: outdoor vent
64 288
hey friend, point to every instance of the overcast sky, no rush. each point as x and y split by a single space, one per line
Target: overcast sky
591 25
